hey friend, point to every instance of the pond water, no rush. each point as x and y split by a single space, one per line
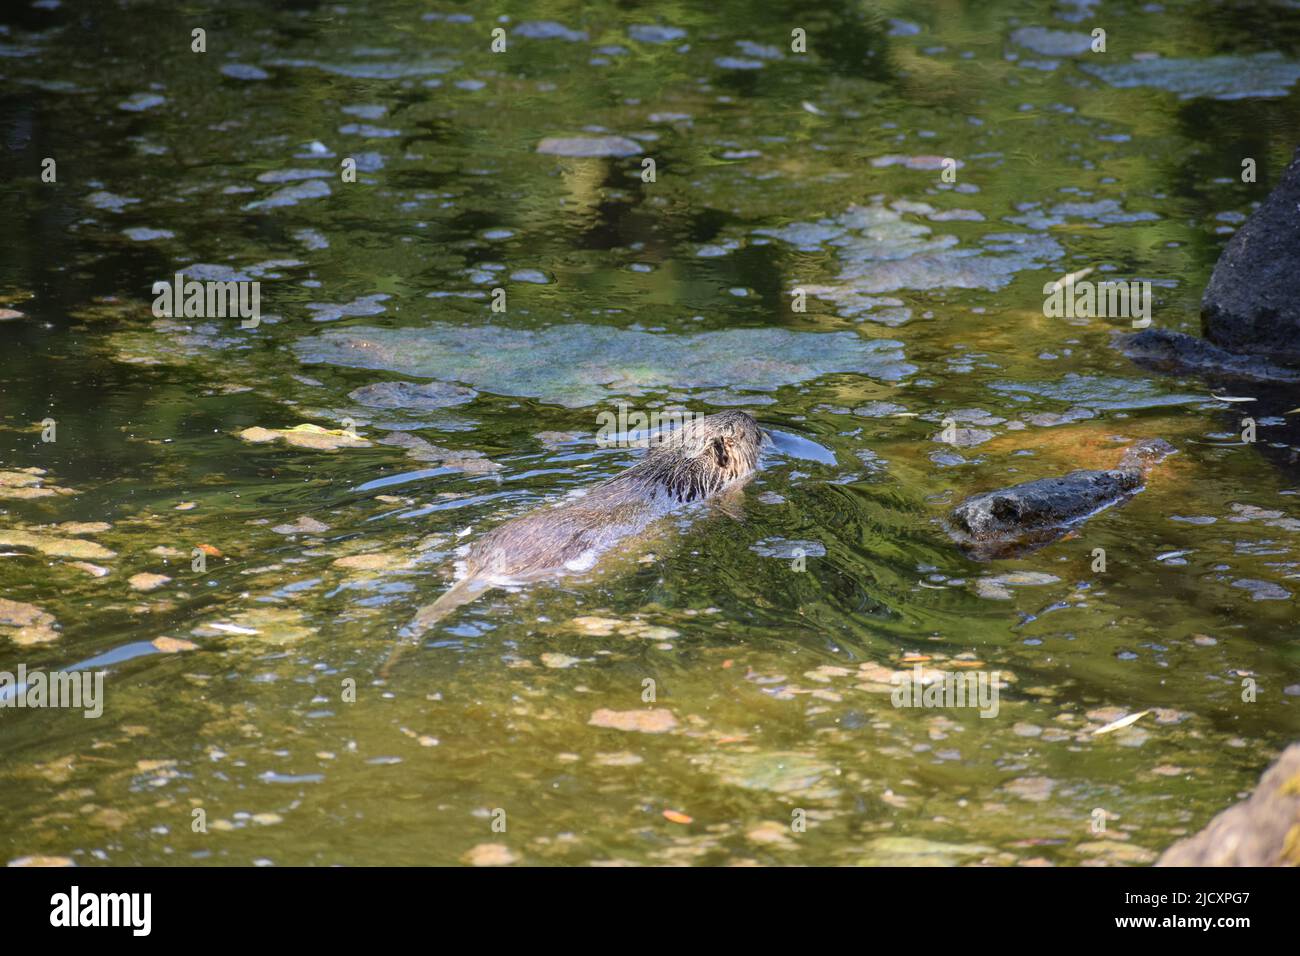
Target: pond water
249 689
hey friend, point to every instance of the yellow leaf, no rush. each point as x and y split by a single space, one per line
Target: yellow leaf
1121 723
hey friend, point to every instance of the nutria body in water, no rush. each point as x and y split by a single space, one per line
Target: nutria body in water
704 458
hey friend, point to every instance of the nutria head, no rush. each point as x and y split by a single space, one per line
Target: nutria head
703 456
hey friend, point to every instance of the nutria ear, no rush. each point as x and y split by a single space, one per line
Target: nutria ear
720 453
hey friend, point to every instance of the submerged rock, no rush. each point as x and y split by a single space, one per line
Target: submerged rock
291 195
410 395
916 851
790 773
1252 303
1219 77
1263 830
1104 392
244 71
878 251
370 70
654 33
53 545
576 365
1052 42
1012 521
548 30
26 623
28 483
588 147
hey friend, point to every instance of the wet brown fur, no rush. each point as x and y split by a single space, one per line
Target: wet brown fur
697 461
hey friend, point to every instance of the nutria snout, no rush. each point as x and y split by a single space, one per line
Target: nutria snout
703 458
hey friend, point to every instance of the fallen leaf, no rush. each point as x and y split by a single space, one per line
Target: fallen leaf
305 436
173 645
655 721
147 582
271 625
55 547
559 661
771 833
33 626
153 766
42 861
232 628
490 854
595 626
368 562
1121 723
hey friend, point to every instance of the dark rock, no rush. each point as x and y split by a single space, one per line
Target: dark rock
1263 830
1012 521
1174 353
1272 387
1253 300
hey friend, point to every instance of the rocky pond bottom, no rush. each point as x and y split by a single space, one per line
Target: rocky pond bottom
232 523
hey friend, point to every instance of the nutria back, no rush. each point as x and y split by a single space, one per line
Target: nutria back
696 461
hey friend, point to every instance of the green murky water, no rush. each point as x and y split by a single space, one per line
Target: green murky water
774 171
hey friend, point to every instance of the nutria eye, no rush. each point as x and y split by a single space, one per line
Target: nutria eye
720 452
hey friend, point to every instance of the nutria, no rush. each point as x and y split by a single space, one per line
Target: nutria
1012 521
700 460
